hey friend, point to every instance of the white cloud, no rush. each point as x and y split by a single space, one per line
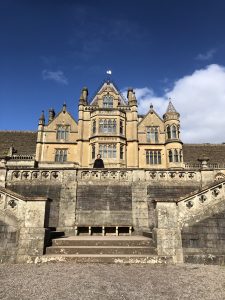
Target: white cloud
206 56
200 100
57 76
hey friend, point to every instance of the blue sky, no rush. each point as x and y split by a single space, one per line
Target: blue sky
49 50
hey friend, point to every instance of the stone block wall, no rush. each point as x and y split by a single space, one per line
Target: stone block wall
104 204
207 235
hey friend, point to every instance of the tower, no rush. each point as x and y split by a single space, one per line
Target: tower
173 144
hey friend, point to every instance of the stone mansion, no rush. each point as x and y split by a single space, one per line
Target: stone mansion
153 184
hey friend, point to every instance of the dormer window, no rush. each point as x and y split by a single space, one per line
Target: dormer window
108 101
62 132
152 134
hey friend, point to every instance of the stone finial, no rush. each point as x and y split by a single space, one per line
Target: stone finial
151 108
42 119
204 161
129 93
131 97
11 151
64 107
84 96
51 114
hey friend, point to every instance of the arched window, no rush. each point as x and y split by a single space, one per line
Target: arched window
174 132
170 156
176 156
168 132
94 127
108 101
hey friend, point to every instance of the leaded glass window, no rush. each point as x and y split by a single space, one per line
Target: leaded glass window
153 157
62 132
107 126
108 101
107 150
61 155
152 134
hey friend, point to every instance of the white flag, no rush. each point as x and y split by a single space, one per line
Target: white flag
109 72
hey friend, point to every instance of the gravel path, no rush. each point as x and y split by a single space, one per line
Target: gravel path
94 281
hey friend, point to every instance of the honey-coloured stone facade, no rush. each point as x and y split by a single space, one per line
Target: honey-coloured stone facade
110 125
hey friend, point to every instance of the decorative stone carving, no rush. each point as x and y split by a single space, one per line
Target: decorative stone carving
172 174
12 203
182 174
202 198
55 174
162 174
191 175
216 192
35 175
16 174
26 175
153 175
189 204
45 174
85 175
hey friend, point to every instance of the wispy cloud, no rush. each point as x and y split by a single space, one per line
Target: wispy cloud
199 98
207 55
57 76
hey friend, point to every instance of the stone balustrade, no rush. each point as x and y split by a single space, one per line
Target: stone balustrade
198 206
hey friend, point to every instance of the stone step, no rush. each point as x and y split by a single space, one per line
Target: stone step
101 250
123 259
129 241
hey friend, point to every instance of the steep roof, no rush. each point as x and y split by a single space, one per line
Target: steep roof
215 153
112 86
24 142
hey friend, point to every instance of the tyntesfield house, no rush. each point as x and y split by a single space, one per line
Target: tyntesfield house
161 199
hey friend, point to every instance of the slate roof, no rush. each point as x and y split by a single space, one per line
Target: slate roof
24 142
215 153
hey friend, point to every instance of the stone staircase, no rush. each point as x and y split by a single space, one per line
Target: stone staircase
104 249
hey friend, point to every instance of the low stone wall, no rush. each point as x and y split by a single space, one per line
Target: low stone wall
22 226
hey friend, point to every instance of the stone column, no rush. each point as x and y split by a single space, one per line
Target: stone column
167 231
140 206
3 172
32 231
67 205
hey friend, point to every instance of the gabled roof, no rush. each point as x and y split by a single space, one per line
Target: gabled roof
24 142
108 84
60 112
151 111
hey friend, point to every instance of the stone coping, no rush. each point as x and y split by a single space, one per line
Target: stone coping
17 196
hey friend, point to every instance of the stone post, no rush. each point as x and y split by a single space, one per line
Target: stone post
32 231
140 206
167 232
3 171
67 205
